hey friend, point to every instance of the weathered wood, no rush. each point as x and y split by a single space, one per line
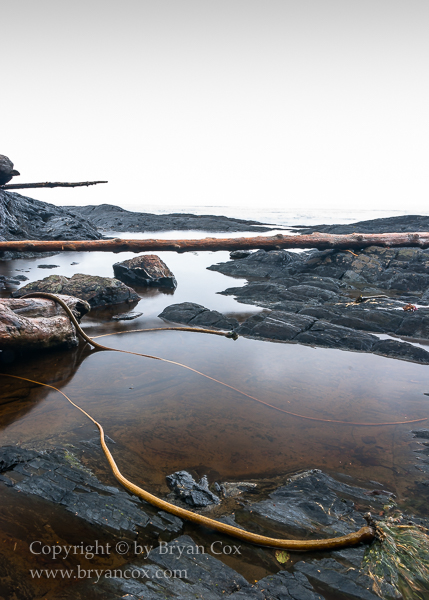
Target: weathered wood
321 241
47 184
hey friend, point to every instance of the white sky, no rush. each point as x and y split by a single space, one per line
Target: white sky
303 103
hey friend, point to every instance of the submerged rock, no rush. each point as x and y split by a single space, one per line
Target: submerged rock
147 270
187 489
97 291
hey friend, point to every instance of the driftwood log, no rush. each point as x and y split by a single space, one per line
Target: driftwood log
47 184
321 241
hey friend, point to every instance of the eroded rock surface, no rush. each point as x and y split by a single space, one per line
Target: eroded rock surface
32 323
97 291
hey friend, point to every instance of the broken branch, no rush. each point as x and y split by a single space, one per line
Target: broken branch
47 184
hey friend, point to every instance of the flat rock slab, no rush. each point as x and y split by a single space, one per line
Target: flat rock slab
195 314
146 270
97 291
59 477
38 323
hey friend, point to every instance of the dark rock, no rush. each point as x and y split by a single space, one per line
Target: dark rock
402 350
129 316
328 335
313 502
240 254
337 578
190 573
59 477
98 291
6 170
421 433
276 325
287 586
107 216
415 324
195 314
48 266
187 489
399 224
148 270
23 218
276 263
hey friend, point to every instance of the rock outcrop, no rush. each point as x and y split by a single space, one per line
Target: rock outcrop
115 218
145 270
97 291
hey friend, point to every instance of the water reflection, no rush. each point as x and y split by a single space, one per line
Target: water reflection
165 418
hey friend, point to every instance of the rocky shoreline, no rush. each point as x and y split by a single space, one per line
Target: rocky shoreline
374 300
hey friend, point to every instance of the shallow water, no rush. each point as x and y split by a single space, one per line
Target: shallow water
164 418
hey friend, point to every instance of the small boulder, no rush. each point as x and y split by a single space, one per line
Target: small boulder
147 269
187 489
97 291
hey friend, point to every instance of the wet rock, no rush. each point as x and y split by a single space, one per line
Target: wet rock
194 574
187 489
402 350
261 264
97 291
313 502
287 586
38 323
129 316
276 325
195 314
147 270
59 477
115 218
337 578
328 335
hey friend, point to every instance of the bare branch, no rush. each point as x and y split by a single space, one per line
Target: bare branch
47 184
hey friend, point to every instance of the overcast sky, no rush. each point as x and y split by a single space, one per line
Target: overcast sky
306 103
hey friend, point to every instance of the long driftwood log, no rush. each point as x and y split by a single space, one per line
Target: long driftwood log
321 241
47 184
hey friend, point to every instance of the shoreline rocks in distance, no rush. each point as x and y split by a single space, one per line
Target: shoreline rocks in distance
115 218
